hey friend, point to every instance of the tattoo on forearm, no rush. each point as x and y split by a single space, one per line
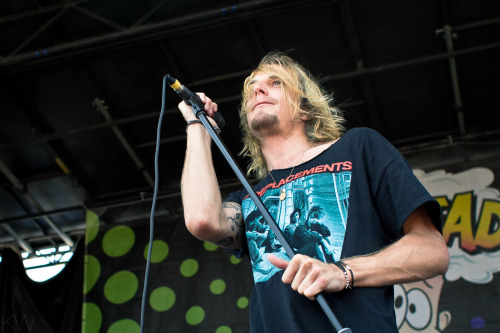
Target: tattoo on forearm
235 220
235 225
231 205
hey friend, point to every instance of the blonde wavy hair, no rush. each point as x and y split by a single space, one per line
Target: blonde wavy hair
324 122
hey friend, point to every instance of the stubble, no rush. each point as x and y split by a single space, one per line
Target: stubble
265 126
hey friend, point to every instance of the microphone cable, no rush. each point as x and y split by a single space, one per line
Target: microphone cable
153 207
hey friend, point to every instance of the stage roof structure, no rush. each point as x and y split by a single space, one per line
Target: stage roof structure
81 92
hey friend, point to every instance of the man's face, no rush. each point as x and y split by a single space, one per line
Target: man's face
313 219
268 112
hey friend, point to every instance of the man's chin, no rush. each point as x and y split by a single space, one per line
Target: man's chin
264 126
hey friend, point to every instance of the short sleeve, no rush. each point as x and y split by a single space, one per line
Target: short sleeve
400 193
235 197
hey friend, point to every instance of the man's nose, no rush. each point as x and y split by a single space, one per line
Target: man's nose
259 89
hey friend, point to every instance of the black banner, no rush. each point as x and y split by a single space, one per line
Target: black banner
194 286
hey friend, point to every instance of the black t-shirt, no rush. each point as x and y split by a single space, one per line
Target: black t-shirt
352 199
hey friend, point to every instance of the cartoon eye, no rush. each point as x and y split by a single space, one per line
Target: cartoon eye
400 302
419 311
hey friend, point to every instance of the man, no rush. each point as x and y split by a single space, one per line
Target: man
311 236
259 235
383 224
290 228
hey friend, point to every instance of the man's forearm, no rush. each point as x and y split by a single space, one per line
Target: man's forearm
419 255
200 191
399 263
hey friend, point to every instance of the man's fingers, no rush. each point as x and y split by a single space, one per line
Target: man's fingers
308 276
210 107
290 274
305 277
278 262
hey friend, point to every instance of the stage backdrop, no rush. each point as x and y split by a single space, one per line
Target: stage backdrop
194 286
467 297
465 179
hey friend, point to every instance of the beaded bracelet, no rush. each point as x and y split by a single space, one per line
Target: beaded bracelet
339 265
350 270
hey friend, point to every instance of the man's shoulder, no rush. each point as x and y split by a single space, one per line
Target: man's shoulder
368 138
362 132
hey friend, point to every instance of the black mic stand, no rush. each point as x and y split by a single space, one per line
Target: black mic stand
200 114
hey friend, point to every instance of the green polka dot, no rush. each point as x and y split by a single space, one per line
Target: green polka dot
118 241
210 246
195 315
189 267
124 326
92 272
217 286
92 318
158 253
162 299
234 260
223 329
92 226
121 287
242 302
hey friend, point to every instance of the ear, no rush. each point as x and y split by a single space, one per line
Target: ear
305 117
304 103
444 320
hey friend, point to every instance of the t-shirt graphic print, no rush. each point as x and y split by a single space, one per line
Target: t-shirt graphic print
313 217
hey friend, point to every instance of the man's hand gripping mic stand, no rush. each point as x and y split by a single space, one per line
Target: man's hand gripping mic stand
198 108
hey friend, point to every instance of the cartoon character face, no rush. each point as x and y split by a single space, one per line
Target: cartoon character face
416 306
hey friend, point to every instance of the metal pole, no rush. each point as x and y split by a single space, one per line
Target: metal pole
99 105
156 30
22 243
6 171
448 36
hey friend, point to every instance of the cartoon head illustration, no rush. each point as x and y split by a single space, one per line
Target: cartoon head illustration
416 306
470 209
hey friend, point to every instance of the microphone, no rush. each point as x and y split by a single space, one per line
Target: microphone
192 99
